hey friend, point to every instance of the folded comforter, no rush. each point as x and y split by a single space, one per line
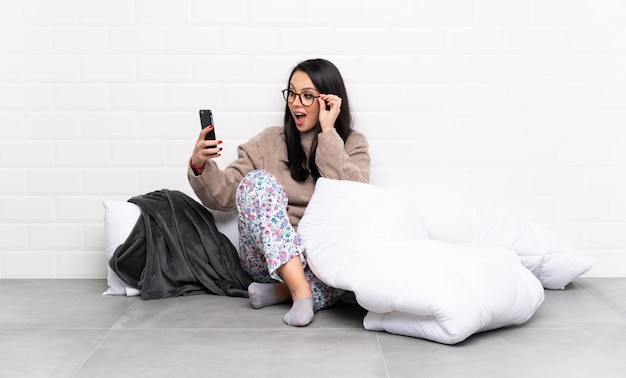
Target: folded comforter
432 263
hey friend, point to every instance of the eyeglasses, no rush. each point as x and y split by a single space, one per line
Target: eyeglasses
307 99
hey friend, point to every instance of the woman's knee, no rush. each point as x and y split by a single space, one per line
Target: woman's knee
258 178
259 184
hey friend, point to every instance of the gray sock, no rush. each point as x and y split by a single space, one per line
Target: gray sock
262 294
301 313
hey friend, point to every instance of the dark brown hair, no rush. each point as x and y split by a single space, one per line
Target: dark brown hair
327 80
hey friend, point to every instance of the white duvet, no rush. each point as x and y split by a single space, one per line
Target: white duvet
430 262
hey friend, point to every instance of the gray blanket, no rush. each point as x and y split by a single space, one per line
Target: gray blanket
175 249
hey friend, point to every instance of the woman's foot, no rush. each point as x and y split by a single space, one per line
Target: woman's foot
301 313
263 294
267 294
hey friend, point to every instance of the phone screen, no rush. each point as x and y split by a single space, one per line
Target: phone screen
206 119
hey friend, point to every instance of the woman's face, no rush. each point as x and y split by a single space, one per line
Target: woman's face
306 117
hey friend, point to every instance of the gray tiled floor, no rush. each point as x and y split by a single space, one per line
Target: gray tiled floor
66 328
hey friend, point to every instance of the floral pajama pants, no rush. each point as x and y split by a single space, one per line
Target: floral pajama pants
267 240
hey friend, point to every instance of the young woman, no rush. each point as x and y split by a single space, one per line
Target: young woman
272 181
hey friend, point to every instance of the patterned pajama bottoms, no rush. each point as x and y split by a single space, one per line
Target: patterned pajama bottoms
267 240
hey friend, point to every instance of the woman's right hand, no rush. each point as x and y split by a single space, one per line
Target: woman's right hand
205 149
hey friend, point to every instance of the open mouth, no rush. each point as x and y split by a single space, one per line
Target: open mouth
299 118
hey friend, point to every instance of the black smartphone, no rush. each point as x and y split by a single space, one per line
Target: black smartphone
206 119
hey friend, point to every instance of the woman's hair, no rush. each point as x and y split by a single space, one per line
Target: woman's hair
327 80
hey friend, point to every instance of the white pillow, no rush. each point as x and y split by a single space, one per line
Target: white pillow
120 218
416 212
374 242
459 217
359 212
227 223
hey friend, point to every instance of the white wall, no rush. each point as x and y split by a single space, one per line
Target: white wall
520 100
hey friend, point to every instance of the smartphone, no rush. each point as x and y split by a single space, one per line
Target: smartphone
206 119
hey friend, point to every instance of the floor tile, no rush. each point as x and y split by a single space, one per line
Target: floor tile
45 353
212 311
236 353
574 307
513 352
58 304
55 328
610 290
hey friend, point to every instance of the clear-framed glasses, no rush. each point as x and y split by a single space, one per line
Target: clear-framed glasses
307 99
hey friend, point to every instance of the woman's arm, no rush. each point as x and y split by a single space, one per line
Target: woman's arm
343 161
216 188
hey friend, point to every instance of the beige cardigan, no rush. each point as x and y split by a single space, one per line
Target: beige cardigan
350 161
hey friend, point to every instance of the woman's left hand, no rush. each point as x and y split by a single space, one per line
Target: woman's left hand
327 117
